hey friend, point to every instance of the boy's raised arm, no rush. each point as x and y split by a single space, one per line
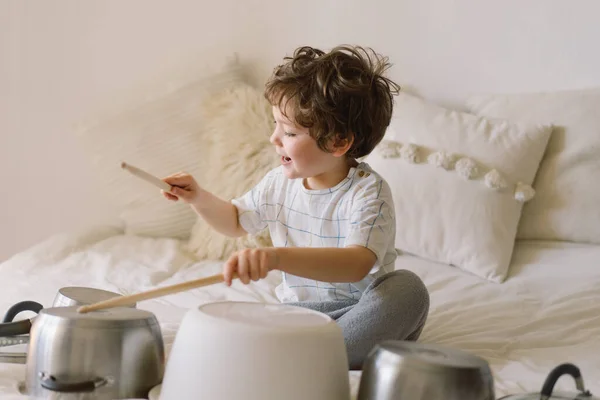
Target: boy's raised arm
220 214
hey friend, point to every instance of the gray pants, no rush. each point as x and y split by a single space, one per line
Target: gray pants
394 307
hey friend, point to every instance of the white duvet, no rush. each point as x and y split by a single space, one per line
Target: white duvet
546 313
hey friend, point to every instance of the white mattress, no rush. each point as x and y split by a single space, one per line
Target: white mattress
546 313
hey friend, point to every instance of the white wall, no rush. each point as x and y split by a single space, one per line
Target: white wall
60 59
449 48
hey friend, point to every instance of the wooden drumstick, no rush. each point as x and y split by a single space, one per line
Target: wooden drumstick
147 177
152 294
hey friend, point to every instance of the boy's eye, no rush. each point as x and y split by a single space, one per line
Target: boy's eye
290 134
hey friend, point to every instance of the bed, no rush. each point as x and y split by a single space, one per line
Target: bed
546 312
540 306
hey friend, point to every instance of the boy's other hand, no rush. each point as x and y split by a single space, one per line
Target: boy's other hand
250 264
184 188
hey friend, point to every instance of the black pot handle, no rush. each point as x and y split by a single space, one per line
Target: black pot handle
556 373
20 307
51 383
15 328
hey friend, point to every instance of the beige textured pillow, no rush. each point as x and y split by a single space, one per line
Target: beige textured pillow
567 204
458 183
239 123
162 134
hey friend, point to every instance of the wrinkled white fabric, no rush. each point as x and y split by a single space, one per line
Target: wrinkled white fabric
547 312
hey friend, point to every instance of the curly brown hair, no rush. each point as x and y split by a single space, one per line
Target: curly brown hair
339 95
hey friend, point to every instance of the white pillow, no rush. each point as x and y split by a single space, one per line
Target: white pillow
239 122
567 204
162 134
440 214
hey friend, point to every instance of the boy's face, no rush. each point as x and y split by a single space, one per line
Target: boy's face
300 155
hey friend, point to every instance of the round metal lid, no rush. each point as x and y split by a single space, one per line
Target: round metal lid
85 295
108 318
435 357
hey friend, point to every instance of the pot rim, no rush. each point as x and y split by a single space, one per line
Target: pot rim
118 317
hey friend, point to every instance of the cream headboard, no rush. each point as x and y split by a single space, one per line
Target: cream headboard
60 58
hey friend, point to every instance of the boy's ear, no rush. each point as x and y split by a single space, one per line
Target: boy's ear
340 146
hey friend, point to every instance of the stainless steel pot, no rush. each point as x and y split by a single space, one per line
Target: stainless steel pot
16 333
67 296
399 370
110 354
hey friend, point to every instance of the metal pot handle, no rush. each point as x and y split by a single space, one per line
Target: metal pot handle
51 383
556 373
20 307
9 328
15 328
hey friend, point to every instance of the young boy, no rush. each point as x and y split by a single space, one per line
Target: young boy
331 218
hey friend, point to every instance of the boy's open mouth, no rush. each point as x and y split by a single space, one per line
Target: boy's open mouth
286 160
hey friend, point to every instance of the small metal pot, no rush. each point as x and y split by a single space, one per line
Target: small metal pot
67 296
16 333
110 354
399 370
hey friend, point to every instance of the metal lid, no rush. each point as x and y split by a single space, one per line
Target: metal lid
86 295
108 318
547 392
434 357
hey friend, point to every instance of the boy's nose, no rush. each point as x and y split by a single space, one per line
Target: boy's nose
274 139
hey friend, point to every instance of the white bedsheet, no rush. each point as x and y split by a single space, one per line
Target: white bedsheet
546 313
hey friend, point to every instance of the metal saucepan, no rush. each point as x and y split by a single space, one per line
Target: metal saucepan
109 354
66 297
16 333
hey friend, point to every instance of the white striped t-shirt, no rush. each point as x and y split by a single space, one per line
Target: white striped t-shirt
357 211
